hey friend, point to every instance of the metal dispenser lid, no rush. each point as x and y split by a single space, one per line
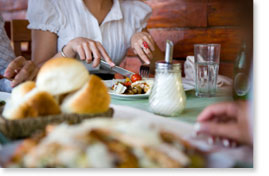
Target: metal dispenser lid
168 62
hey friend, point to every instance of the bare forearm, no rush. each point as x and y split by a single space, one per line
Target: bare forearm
44 46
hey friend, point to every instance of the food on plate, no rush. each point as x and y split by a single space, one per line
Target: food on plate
136 77
131 88
93 97
62 75
63 85
107 143
35 103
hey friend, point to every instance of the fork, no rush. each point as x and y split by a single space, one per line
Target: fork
144 71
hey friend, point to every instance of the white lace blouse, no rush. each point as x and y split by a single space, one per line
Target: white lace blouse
70 19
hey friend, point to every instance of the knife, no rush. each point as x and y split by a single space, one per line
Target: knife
116 69
3 77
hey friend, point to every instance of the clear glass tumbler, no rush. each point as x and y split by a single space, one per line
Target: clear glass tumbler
207 57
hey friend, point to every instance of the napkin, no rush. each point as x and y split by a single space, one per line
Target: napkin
189 67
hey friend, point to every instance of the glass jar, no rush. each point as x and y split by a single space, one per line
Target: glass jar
167 97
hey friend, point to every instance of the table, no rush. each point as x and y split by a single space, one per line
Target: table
193 107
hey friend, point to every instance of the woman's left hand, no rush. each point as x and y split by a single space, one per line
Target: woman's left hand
143 45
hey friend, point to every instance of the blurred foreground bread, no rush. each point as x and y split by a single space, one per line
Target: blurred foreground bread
35 103
62 75
93 97
21 90
62 84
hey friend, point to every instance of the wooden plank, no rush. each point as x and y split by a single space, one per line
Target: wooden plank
19 31
133 64
11 5
229 12
227 69
8 16
184 39
7 29
178 13
223 13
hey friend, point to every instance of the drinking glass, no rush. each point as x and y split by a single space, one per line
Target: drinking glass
207 57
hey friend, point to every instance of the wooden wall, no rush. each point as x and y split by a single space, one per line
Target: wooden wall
13 9
185 22
188 22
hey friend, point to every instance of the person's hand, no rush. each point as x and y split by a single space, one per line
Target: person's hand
226 120
20 70
88 50
143 45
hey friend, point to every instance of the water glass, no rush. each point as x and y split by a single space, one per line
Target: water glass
207 57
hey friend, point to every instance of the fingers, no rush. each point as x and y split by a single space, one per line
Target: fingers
144 52
88 52
96 54
14 67
230 131
145 49
218 111
105 55
149 37
81 52
92 51
34 74
150 42
24 74
141 53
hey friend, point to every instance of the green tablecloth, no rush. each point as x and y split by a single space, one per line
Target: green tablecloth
193 107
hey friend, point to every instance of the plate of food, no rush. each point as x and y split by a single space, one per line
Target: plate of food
126 88
135 89
107 143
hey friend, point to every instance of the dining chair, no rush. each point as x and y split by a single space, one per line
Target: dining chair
21 38
7 28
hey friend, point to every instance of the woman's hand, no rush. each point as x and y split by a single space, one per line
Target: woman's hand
143 45
226 120
88 50
20 70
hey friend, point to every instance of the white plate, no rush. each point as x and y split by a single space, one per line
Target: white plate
223 158
110 83
4 96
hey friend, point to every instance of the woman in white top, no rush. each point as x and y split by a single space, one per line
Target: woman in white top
90 30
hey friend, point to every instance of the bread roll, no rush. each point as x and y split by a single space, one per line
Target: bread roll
21 90
62 75
92 98
34 104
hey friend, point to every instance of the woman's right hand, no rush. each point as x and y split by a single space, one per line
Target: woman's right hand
88 50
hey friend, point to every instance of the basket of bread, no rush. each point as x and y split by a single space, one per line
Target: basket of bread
64 91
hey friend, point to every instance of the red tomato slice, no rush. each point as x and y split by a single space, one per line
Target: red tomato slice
136 77
127 83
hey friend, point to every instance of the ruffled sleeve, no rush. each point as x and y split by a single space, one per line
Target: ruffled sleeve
43 15
138 14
